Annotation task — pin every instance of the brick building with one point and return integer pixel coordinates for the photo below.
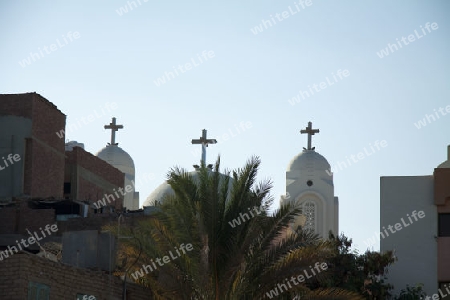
(30, 128)
(28, 123)
(45, 181)
(24, 276)
(89, 178)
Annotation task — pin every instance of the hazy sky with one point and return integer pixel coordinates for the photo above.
(88, 54)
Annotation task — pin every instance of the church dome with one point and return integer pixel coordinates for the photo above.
(158, 194)
(308, 159)
(165, 189)
(118, 158)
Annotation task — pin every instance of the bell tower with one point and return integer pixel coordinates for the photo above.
(309, 183)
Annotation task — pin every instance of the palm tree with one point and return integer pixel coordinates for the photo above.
(239, 250)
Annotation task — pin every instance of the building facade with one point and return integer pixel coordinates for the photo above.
(28, 126)
(88, 178)
(45, 181)
(415, 224)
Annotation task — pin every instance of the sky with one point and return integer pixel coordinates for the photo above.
(363, 72)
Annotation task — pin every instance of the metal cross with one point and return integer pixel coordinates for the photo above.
(114, 127)
(310, 133)
(204, 142)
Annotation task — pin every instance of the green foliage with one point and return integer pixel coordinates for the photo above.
(365, 274)
(227, 262)
(411, 293)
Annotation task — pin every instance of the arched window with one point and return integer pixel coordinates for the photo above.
(309, 210)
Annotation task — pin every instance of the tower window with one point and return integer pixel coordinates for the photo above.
(309, 210)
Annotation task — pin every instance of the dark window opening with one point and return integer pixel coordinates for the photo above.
(444, 225)
(67, 187)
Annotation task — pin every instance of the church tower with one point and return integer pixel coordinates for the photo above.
(120, 159)
(309, 182)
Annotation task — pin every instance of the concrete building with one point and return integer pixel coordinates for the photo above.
(415, 223)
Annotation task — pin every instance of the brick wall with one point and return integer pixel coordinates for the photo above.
(96, 165)
(47, 172)
(27, 169)
(8, 220)
(47, 120)
(95, 180)
(15, 219)
(64, 281)
(16, 105)
(47, 148)
(93, 222)
(44, 155)
(90, 191)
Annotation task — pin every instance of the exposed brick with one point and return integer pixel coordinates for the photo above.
(44, 149)
(86, 190)
(16, 218)
(65, 281)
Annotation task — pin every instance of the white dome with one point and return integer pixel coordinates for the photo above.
(308, 160)
(158, 194)
(118, 158)
(165, 189)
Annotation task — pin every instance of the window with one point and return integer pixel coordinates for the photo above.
(38, 291)
(444, 225)
(309, 210)
(67, 187)
(98, 210)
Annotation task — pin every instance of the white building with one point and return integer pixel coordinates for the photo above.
(415, 224)
(120, 159)
(309, 183)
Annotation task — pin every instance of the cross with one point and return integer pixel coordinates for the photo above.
(204, 142)
(310, 132)
(113, 128)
